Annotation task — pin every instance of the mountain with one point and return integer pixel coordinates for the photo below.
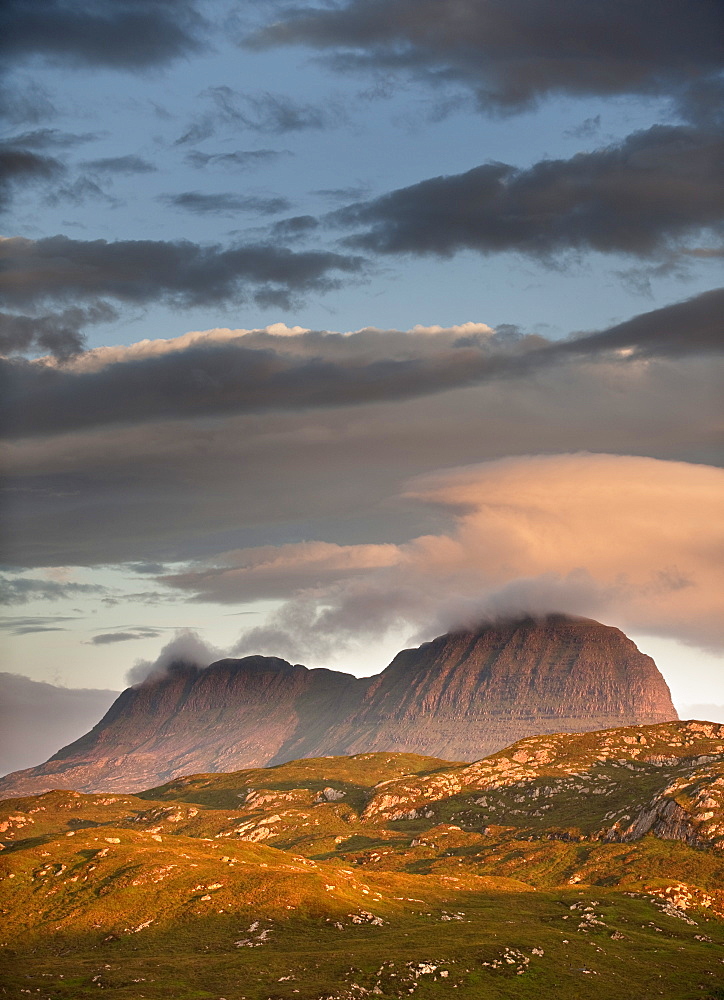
(54, 715)
(461, 696)
(470, 693)
(576, 866)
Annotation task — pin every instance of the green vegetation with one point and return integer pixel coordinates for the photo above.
(284, 883)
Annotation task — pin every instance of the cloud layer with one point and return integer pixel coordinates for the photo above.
(513, 54)
(202, 459)
(234, 372)
(117, 34)
(631, 540)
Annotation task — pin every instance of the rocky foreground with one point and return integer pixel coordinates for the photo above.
(461, 696)
(566, 866)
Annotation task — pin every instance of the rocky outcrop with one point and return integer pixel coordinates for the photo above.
(681, 764)
(460, 697)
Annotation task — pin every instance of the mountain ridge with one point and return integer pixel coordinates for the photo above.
(461, 696)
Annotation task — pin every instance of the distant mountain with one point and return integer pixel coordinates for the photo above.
(54, 715)
(462, 696)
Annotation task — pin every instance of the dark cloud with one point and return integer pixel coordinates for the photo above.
(702, 103)
(108, 638)
(20, 167)
(53, 333)
(115, 34)
(241, 159)
(225, 203)
(49, 138)
(638, 197)
(54, 715)
(512, 54)
(120, 165)
(684, 327)
(257, 373)
(178, 273)
(299, 225)
(343, 194)
(153, 568)
(225, 378)
(21, 590)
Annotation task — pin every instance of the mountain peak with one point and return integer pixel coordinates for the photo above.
(461, 696)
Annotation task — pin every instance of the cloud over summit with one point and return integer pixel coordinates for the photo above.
(620, 538)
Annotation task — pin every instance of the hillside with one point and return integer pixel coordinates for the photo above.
(461, 696)
(555, 868)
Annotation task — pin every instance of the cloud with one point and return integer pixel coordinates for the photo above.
(36, 623)
(276, 571)
(585, 129)
(56, 716)
(187, 648)
(240, 159)
(232, 372)
(49, 138)
(264, 112)
(113, 34)
(297, 226)
(21, 590)
(242, 371)
(108, 638)
(225, 203)
(20, 167)
(177, 490)
(514, 54)
(692, 325)
(179, 274)
(641, 196)
(78, 192)
(278, 114)
(633, 540)
(25, 103)
(120, 165)
(59, 334)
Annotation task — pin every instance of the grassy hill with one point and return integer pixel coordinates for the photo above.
(571, 866)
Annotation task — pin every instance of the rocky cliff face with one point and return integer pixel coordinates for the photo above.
(464, 695)
(471, 693)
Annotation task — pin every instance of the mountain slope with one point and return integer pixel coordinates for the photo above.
(466, 694)
(500, 879)
(461, 696)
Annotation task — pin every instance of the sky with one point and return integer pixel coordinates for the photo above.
(328, 327)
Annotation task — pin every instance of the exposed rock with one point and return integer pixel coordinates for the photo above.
(462, 696)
